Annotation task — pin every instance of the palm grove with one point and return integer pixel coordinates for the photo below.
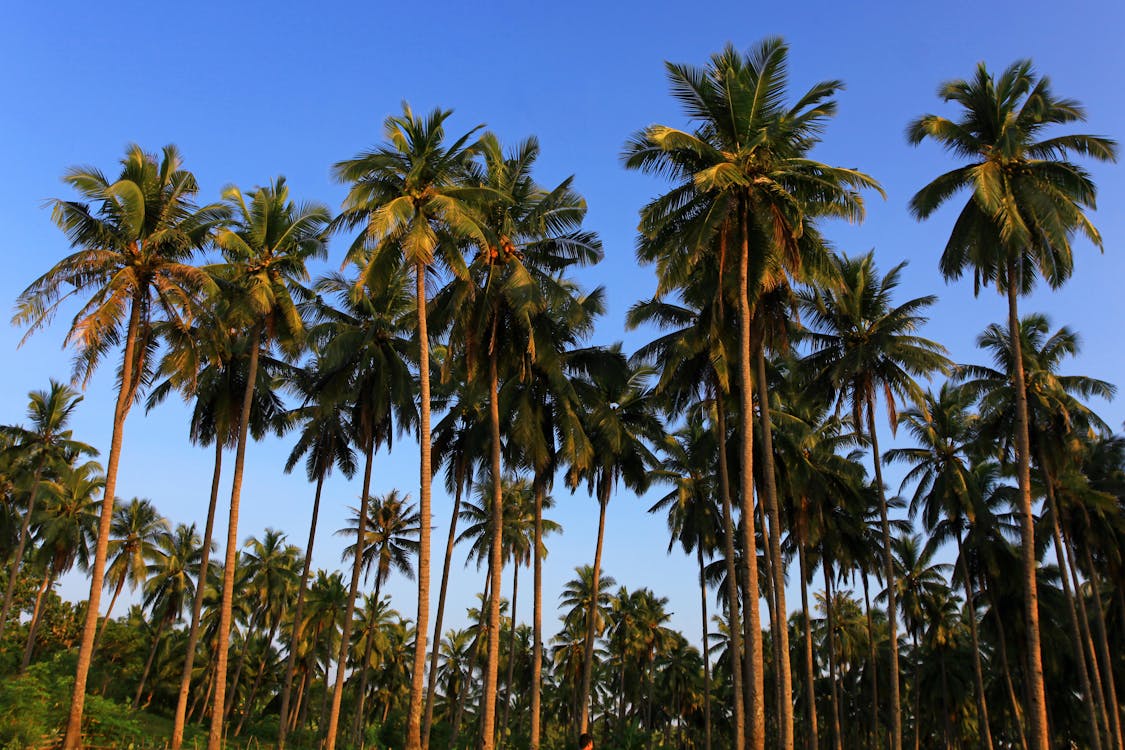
(754, 416)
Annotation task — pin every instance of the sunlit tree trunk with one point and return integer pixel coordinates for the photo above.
(810, 678)
(978, 672)
(591, 611)
(496, 552)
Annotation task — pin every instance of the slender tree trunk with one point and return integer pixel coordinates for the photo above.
(422, 621)
(496, 551)
(781, 638)
(215, 736)
(197, 603)
(889, 573)
(917, 695)
(258, 675)
(353, 590)
(978, 672)
(1103, 646)
(232, 689)
(591, 612)
(810, 678)
(733, 623)
(947, 727)
(1002, 640)
(298, 620)
(706, 656)
(431, 680)
(1093, 702)
(756, 722)
(117, 587)
(511, 647)
(1084, 623)
(17, 558)
(148, 664)
(473, 656)
(873, 660)
(537, 616)
(837, 732)
(291, 722)
(73, 738)
(1036, 690)
(33, 627)
(359, 722)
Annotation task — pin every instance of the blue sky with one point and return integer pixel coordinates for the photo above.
(252, 90)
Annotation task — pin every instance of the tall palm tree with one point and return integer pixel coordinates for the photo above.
(325, 441)
(621, 422)
(864, 344)
(265, 249)
(135, 528)
(406, 193)
(744, 177)
(133, 239)
(1027, 202)
(43, 447)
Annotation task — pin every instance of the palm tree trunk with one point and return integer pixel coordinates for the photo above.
(917, 695)
(496, 550)
(1002, 640)
(511, 647)
(732, 577)
(197, 603)
(1103, 645)
(232, 689)
(17, 558)
(810, 679)
(353, 590)
(258, 676)
(148, 664)
(781, 637)
(1093, 702)
(298, 623)
(537, 616)
(73, 737)
(431, 679)
(1036, 690)
(459, 712)
(33, 627)
(756, 722)
(359, 722)
(215, 736)
(872, 659)
(421, 623)
(117, 587)
(978, 673)
(591, 612)
(1084, 622)
(706, 656)
(889, 573)
(837, 732)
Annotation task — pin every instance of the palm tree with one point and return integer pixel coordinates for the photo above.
(266, 249)
(135, 528)
(406, 193)
(325, 441)
(1027, 202)
(44, 447)
(132, 251)
(65, 532)
(864, 344)
(743, 176)
(620, 420)
(171, 583)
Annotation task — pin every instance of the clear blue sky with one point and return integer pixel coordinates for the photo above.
(252, 90)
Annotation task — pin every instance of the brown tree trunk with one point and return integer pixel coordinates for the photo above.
(511, 647)
(537, 616)
(1038, 699)
(781, 637)
(756, 722)
(431, 679)
(17, 557)
(117, 587)
(73, 737)
(215, 736)
(422, 621)
(873, 660)
(1002, 640)
(298, 621)
(837, 732)
(258, 675)
(1084, 623)
(978, 673)
(810, 679)
(33, 627)
(591, 612)
(496, 551)
(148, 664)
(353, 591)
(889, 573)
(1103, 647)
(197, 603)
(706, 656)
(733, 622)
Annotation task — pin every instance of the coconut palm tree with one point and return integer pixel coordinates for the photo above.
(265, 248)
(43, 448)
(746, 188)
(406, 194)
(133, 240)
(135, 528)
(864, 344)
(65, 532)
(1027, 202)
